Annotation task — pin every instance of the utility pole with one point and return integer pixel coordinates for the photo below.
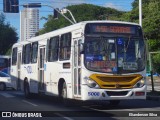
(140, 13)
(151, 70)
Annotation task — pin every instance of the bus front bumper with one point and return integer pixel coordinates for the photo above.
(113, 94)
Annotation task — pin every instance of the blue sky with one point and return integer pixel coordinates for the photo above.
(14, 18)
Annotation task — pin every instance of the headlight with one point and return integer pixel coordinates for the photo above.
(140, 83)
(91, 83)
(9, 80)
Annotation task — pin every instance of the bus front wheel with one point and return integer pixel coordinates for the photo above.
(66, 101)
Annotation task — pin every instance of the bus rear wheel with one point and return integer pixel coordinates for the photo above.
(2, 86)
(66, 101)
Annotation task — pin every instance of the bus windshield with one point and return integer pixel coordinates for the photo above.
(114, 54)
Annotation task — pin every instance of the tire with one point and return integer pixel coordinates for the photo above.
(2, 86)
(114, 102)
(27, 93)
(65, 101)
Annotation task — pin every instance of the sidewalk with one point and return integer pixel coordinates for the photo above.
(155, 96)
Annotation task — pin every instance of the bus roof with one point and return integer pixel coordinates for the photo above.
(67, 29)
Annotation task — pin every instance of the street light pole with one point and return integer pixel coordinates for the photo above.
(140, 13)
(63, 14)
(39, 5)
(64, 10)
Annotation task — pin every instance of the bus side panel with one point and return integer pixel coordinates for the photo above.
(29, 72)
(51, 78)
(54, 71)
(14, 79)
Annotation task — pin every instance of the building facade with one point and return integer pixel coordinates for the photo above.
(29, 23)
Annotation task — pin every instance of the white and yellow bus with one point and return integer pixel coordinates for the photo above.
(90, 60)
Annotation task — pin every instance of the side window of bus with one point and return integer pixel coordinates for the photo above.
(34, 52)
(14, 56)
(26, 53)
(53, 46)
(65, 46)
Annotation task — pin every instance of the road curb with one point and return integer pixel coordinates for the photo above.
(155, 98)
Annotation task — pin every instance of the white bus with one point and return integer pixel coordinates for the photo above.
(90, 60)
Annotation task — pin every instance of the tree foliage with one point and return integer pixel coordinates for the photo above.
(150, 22)
(8, 36)
(81, 12)
(151, 25)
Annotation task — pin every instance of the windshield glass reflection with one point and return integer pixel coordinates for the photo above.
(114, 54)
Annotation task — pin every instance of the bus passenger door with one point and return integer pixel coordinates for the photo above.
(19, 82)
(41, 69)
(77, 69)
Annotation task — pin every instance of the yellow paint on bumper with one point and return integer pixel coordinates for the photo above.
(116, 81)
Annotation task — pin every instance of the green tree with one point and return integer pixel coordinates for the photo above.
(81, 12)
(150, 16)
(150, 24)
(8, 36)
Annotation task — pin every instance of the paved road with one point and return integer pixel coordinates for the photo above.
(14, 101)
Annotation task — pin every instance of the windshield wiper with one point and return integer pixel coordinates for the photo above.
(126, 47)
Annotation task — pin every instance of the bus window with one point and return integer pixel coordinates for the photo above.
(65, 46)
(4, 63)
(14, 56)
(34, 52)
(27, 54)
(53, 46)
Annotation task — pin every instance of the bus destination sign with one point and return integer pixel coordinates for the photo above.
(110, 28)
(113, 29)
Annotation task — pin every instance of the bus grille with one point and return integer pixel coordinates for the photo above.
(116, 81)
(116, 93)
